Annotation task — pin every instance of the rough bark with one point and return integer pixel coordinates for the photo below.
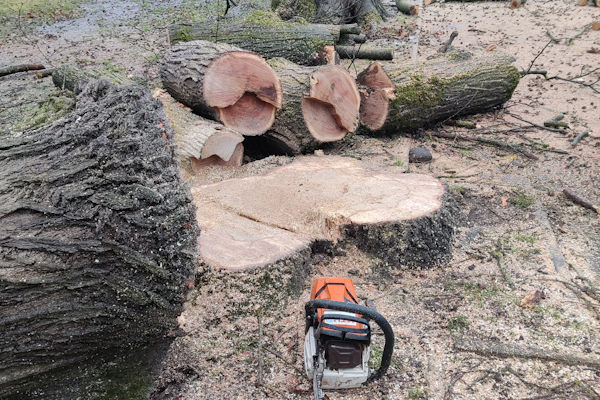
(345, 11)
(369, 53)
(406, 219)
(223, 83)
(199, 140)
(349, 39)
(97, 236)
(445, 87)
(299, 43)
(66, 77)
(308, 118)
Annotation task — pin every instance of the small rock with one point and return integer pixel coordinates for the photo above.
(319, 153)
(419, 155)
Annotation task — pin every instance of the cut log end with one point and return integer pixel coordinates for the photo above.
(374, 107)
(320, 120)
(377, 89)
(249, 115)
(245, 91)
(332, 108)
(234, 160)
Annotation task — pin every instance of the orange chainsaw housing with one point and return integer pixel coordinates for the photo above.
(336, 289)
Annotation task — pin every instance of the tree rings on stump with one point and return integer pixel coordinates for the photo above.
(406, 219)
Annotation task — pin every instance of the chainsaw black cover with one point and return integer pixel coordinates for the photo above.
(367, 314)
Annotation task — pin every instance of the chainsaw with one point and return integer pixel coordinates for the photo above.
(338, 337)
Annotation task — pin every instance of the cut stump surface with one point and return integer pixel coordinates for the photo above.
(256, 221)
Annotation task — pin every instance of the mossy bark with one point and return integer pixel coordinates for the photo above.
(97, 238)
(299, 43)
(445, 87)
(364, 12)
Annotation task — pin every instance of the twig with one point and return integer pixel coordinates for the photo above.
(260, 348)
(534, 124)
(579, 137)
(282, 358)
(581, 201)
(499, 255)
(490, 142)
(504, 350)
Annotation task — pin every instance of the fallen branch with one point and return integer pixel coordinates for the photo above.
(504, 350)
(579, 137)
(13, 69)
(581, 201)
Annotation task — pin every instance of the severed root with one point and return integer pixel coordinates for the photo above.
(224, 83)
(201, 141)
(503, 350)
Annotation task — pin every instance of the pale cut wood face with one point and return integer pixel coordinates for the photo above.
(255, 221)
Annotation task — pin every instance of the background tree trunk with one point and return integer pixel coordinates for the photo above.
(97, 238)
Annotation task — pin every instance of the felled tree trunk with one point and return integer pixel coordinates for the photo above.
(223, 83)
(97, 236)
(320, 104)
(403, 97)
(297, 42)
(199, 140)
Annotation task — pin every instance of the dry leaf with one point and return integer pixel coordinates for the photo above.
(594, 50)
(533, 298)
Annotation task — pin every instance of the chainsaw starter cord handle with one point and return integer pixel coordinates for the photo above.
(367, 313)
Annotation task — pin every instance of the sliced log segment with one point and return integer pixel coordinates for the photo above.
(376, 91)
(407, 219)
(224, 83)
(448, 86)
(199, 140)
(97, 236)
(321, 104)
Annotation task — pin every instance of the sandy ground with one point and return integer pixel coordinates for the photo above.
(513, 205)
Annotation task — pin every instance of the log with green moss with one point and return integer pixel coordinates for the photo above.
(97, 241)
(421, 94)
(266, 34)
(365, 52)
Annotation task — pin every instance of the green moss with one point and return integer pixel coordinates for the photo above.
(54, 107)
(458, 323)
(184, 35)
(419, 92)
(265, 18)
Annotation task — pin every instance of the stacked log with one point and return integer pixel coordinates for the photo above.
(223, 83)
(403, 97)
(199, 140)
(318, 104)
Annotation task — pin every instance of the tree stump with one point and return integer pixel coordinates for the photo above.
(408, 96)
(97, 236)
(406, 219)
(223, 83)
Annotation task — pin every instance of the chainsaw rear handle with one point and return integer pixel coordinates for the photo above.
(369, 314)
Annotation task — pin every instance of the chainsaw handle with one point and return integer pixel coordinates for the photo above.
(367, 313)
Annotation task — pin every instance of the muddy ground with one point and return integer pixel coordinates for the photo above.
(514, 207)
